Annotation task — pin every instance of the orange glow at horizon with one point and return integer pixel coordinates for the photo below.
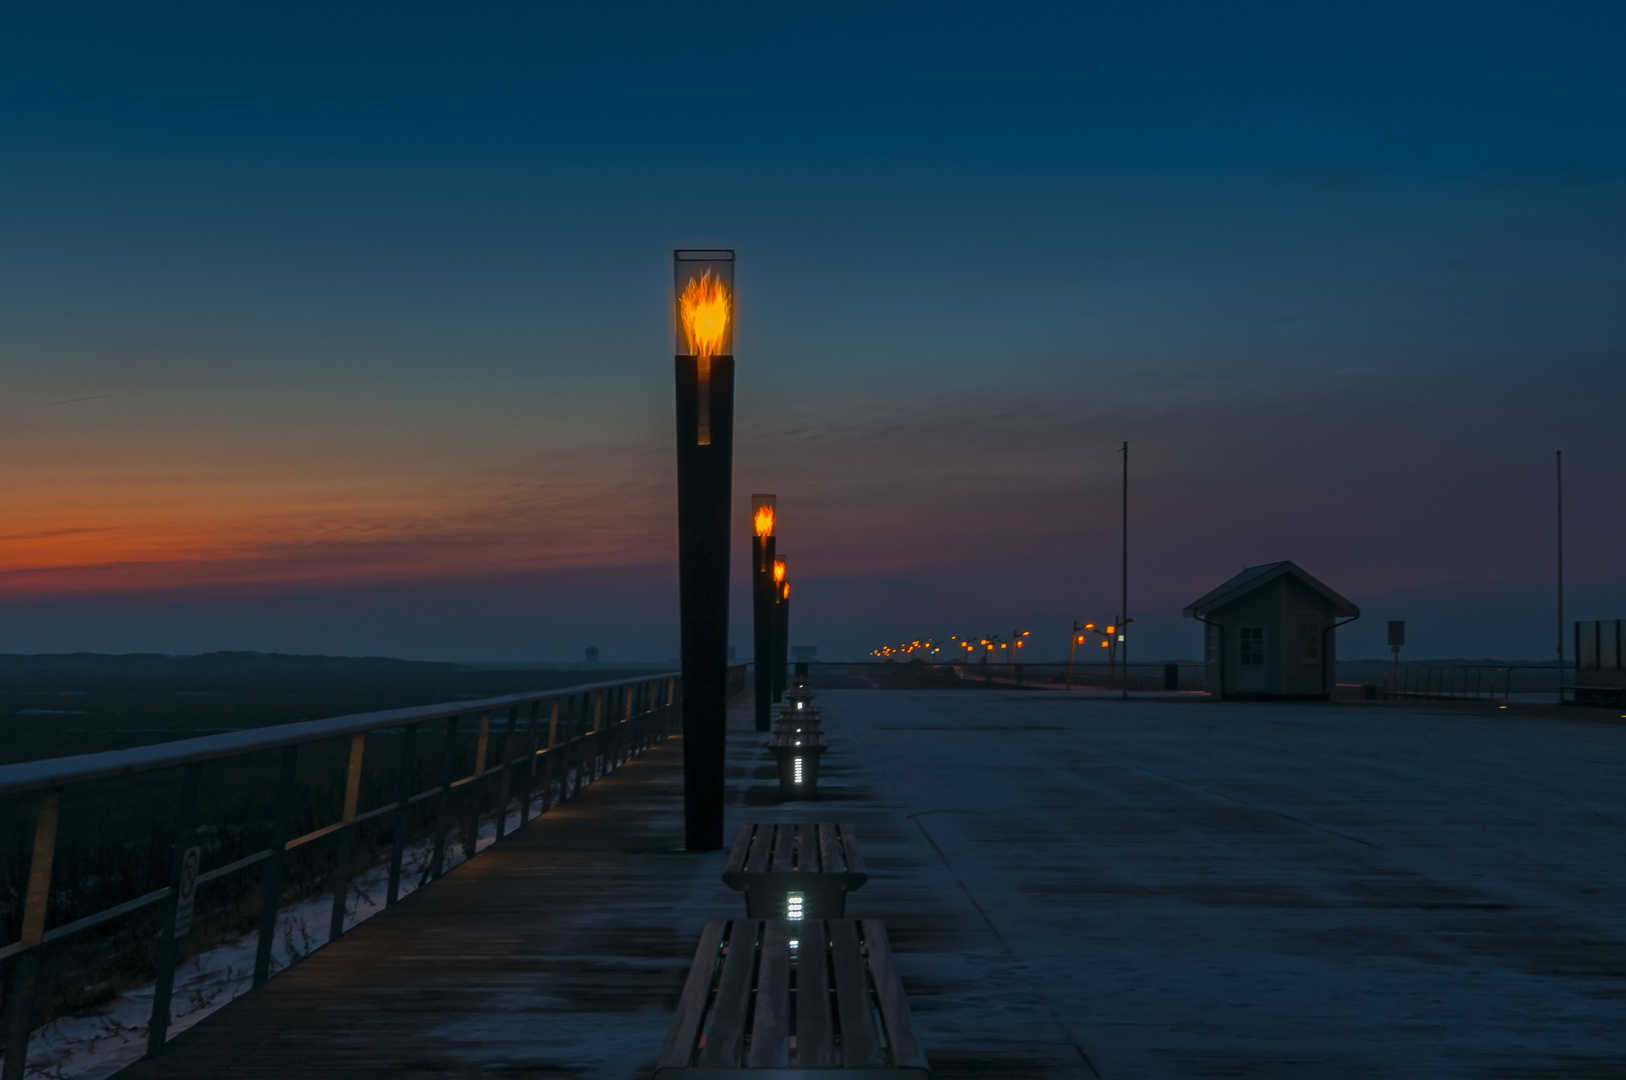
(704, 310)
(763, 521)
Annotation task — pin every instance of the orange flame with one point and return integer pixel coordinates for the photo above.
(779, 569)
(704, 309)
(763, 520)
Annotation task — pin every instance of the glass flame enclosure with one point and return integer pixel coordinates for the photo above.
(703, 287)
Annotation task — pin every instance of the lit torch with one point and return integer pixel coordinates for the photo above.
(703, 363)
(781, 628)
(762, 604)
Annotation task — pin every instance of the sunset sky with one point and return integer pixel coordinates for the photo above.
(347, 329)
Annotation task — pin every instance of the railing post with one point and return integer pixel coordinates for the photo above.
(597, 749)
(347, 837)
(433, 871)
(271, 880)
(186, 812)
(25, 972)
(409, 758)
(530, 764)
(576, 755)
(477, 786)
(503, 784)
(550, 764)
(624, 741)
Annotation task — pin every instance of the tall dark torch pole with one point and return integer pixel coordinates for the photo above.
(762, 604)
(781, 627)
(705, 456)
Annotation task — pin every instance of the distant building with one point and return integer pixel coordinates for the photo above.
(1269, 633)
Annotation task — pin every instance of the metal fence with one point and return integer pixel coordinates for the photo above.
(122, 842)
(1431, 682)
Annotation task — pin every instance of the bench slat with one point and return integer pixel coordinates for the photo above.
(860, 1042)
(726, 1031)
(849, 848)
(900, 1035)
(742, 848)
(692, 1005)
(770, 1026)
(761, 849)
(829, 849)
(784, 848)
(813, 1047)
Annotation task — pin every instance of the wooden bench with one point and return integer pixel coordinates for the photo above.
(827, 996)
(815, 866)
(797, 754)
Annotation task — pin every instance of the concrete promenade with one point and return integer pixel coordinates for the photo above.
(1075, 887)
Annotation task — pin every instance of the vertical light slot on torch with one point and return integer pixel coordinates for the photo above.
(796, 766)
(793, 906)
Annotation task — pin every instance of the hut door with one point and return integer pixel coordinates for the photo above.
(1250, 660)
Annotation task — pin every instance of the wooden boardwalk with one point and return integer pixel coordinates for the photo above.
(556, 953)
(1074, 888)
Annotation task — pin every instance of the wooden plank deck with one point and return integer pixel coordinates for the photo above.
(558, 953)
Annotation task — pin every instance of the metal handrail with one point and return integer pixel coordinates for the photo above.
(60, 772)
(647, 707)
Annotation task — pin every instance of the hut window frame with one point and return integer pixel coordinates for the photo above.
(1251, 646)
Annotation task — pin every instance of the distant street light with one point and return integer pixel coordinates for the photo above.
(1016, 643)
(704, 364)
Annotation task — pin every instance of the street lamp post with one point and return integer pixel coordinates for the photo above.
(1016, 643)
(762, 604)
(1078, 639)
(704, 365)
(781, 627)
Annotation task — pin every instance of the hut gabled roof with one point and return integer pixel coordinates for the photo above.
(1255, 577)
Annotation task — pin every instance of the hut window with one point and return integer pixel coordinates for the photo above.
(1309, 639)
(1253, 645)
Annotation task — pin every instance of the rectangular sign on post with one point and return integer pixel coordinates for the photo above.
(188, 890)
(1397, 633)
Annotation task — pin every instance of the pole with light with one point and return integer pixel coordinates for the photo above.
(762, 597)
(1016, 643)
(704, 366)
(781, 627)
(1078, 639)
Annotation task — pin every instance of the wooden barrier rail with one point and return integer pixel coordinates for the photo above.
(547, 746)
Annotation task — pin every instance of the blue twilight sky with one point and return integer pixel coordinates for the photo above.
(344, 328)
